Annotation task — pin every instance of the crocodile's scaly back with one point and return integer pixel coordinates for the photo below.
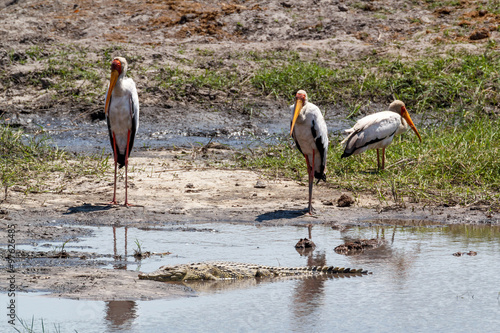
(230, 270)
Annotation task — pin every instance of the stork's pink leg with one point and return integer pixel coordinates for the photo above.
(311, 181)
(113, 202)
(126, 170)
(378, 160)
(307, 162)
(383, 158)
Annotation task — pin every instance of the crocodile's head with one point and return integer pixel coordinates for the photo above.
(195, 271)
(167, 273)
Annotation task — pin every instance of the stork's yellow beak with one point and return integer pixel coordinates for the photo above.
(298, 106)
(406, 116)
(112, 82)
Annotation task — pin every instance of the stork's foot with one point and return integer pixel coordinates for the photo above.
(114, 202)
(309, 211)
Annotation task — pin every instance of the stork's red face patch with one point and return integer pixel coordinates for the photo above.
(301, 97)
(116, 65)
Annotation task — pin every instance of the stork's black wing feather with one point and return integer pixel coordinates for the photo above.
(322, 150)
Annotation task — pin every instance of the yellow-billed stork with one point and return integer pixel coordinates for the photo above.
(308, 129)
(122, 115)
(377, 131)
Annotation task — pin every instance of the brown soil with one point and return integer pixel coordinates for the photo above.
(165, 188)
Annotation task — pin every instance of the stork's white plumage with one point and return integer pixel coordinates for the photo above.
(308, 129)
(377, 131)
(122, 114)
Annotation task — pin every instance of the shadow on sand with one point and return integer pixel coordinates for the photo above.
(281, 214)
(86, 208)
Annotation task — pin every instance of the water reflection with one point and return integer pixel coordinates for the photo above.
(308, 293)
(416, 284)
(120, 314)
(401, 258)
(466, 233)
(120, 261)
(210, 287)
(471, 234)
(399, 261)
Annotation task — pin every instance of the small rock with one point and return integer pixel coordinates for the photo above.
(260, 184)
(338, 227)
(177, 211)
(189, 185)
(47, 82)
(345, 201)
(358, 246)
(443, 11)
(342, 8)
(304, 243)
(479, 34)
(183, 19)
(482, 12)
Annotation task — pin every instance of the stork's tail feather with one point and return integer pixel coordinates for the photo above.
(346, 154)
(121, 160)
(320, 176)
(345, 143)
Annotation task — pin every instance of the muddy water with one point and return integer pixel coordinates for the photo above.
(92, 137)
(75, 134)
(417, 284)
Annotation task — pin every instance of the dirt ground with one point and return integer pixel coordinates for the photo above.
(165, 191)
(176, 185)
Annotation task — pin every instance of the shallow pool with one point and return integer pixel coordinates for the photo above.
(417, 283)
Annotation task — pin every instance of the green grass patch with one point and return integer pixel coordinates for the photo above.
(181, 83)
(34, 327)
(439, 4)
(28, 162)
(458, 81)
(70, 73)
(454, 165)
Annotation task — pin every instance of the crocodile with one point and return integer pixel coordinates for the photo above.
(221, 270)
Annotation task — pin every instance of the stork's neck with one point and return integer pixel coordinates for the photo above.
(403, 126)
(119, 89)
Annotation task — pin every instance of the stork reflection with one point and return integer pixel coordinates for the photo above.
(120, 315)
(309, 291)
(120, 261)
